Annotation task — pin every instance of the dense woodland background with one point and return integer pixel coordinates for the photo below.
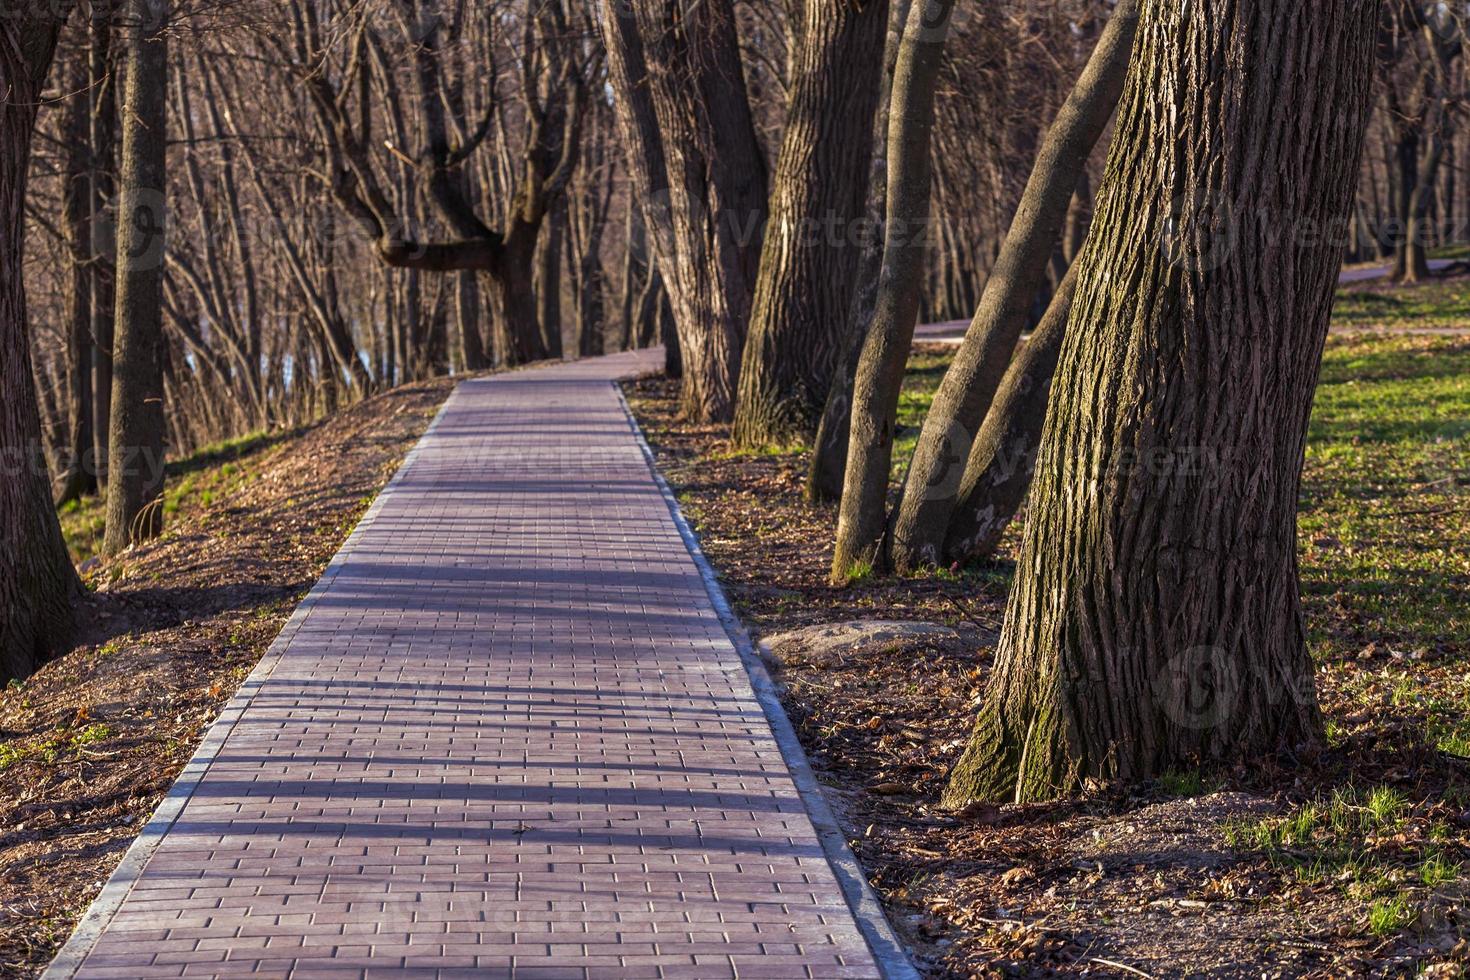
(277, 308)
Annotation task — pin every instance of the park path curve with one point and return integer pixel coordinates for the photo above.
(508, 734)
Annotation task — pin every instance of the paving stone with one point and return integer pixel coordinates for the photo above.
(509, 738)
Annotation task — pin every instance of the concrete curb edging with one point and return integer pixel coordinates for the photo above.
(878, 932)
(99, 914)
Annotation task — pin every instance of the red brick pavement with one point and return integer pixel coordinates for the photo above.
(508, 736)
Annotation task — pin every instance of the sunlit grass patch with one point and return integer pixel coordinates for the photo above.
(193, 483)
(1360, 842)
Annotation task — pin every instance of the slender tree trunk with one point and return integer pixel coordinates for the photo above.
(80, 477)
(1420, 228)
(135, 481)
(104, 269)
(1406, 159)
(906, 246)
(548, 279)
(1004, 457)
(965, 394)
(37, 581)
(1156, 617)
(829, 446)
(810, 260)
(471, 346)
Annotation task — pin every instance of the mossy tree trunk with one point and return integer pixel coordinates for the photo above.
(37, 582)
(1155, 619)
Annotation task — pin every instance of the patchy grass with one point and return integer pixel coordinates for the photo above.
(1437, 304)
(1349, 864)
(926, 369)
(192, 486)
(1370, 846)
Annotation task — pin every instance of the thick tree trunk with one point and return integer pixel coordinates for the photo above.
(80, 476)
(37, 582)
(517, 310)
(1155, 619)
(1003, 459)
(679, 86)
(906, 245)
(965, 394)
(135, 479)
(811, 256)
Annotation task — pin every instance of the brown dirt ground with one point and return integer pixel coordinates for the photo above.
(1126, 884)
(91, 742)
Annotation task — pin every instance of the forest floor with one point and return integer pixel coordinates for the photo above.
(1358, 864)
(91, 742)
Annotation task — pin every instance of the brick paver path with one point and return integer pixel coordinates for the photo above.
(507, 737)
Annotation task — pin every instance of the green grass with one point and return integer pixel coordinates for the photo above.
(1461, 251)
(1385, 516)
(925, 371)
(1432, 304)
(1347, 841)
(1182, 783)
(1388, 915)
(192, 483)
(64, 744)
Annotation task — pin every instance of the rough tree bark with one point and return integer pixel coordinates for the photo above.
(1155, 619)
(1003, 459)
(965, 394)
(810, 260)
(696, 164)
(135, 479)
(906, 245)
(37, 581)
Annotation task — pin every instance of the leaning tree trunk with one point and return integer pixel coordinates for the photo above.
(1003, 459)
(810, 260)
(885, 351)
(37, 582)
(828, 466)
(136, 453)
(1010, 293)
(1155, 619)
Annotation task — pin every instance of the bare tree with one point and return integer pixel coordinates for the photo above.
(885, 351)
